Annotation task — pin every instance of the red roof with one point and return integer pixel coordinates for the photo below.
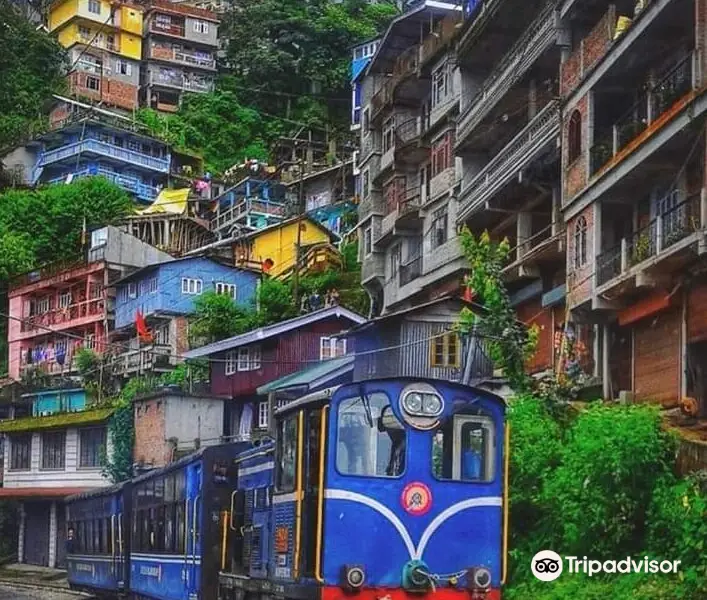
(35, 492)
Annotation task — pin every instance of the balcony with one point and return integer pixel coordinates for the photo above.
(442, 37)
(535, 41)
(154, 358)
(99, 42)
(514, 157)
(167, 28)
(405, 66)
(669, 95)
(664, 236)
(73, 315)
(105, 149)
(130, 184)
(410, 271)
(193, 59)
(372, 267)
(47, 367)
(181, 81)
(248, 206)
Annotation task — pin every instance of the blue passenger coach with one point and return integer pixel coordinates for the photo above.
(97, 549)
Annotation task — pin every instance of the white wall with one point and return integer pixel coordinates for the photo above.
(189, 418)
(71, 476)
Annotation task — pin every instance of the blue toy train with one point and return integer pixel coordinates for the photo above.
(379, 489)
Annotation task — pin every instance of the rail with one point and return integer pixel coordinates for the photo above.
(245, 207)
(104, 149)
(143, 359)
(193, 59)
(93, 307)
(127, 182)
(168, 28)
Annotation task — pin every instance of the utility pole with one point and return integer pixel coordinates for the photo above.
(298, 245)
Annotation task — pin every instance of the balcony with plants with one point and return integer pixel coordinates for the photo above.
(133, 185)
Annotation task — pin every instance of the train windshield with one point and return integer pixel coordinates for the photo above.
(370, 439)
(463, 449)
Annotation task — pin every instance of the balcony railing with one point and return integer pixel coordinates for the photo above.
(410, 271)
(168, 28)
(534, 41)
(130, 184)
(106, 149)
(49, 366)
(150, 358)
(94, 307)
(408, 131)
(661, 233)
(521, 150)
(181, 81)
(369, 144)
(443, 34)
(247, 206)
(405, 66)
(659, 98)
(194, 59)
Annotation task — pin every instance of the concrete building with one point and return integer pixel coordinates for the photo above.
(179, 51)
(104, 42)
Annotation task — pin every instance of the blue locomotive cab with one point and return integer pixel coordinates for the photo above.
(98, 540)
(394, 484)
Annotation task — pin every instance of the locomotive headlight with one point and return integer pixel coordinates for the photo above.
(354, 576)
(422, 404)
(479, 578)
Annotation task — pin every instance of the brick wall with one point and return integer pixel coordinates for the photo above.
(532, 313)
(588, 53)
(161, 51)
(150, 444)
(580, 281)
(181, 331)
(114, 92)
(575, 175)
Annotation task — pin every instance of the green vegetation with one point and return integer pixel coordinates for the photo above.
(31, 65)
(602, 486)
(56, 420)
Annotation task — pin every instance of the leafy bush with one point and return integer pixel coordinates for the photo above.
(217, 316)
(601, 491)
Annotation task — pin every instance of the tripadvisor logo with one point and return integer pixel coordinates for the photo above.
(548, 565)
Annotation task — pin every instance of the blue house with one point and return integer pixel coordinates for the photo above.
(361, 55)
(138, 163)
(165, 294)
(58, 400)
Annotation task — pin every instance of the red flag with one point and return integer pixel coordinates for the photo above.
(142, 331)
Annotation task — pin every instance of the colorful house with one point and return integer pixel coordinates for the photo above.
(274, 248)
(104, 41)
(164, 295)
(240, 365)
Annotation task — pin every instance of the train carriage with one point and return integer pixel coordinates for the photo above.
(380, 487)
(98, 540)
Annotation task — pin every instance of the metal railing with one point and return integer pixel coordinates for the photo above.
(608, 265)
(168, 28)
(104, 149)
(65, 315)
(246, 206)
(181, 81)
(144, 359)
(659, 98)
(129, 183)
(193, 59)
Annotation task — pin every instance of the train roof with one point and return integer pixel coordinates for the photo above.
(327, 393)
(96, 493)
(261, 449)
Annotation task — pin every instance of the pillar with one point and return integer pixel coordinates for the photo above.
(21, 536)
(594, 228)
(52, 535)
(532, 99)
(556, 210)
(524, 231)
(605, 363)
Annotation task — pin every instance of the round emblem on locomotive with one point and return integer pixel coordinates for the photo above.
(416, 498)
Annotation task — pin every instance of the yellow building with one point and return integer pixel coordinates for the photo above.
(105, 48)
(274, 248)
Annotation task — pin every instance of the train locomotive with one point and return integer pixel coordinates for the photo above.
(383, 490)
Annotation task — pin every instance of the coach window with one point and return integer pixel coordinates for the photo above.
(463, 448)
(286, 454)
(371, 441)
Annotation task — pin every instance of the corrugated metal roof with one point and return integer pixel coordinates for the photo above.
(40, 492)
(317, 374)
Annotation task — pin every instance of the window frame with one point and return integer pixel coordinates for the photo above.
(366, 183)
(332, 343)
(249, 358)
(132, 290)
(91, 430)
(440, 216)
(192, 286)
(94, 3)
(579, 251)
(59, 449)
(574, 136)
(444, 339)
(263, 414)
(93, 78)
(226, 289)
(440, 85)
(231, 364)
(368, 240)
(389, 134)
(24, 437)
(282, 423)
(441, 156)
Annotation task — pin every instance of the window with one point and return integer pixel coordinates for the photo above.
(439, 227)
(445, 351)
(53, 449)
(191, 286)
(21, 452)
(366, 121)
(132, 290)
(161, 335)
(331, 347)
(231, 362)
(93, 83)
(201, 27)
(263, 413)
(152, 285)
(90, 341)
(440, 85)
(84, 33)
(99, 237)
(249, 358)
(227, 289)
(123, 67)
(463, 449)
(442, 154)
(43, 305)
(388, 134)
(580, 243)
(94, 6)
(574, 137)
(370, 440)
(64, 299)
(366, 185)
(286, 466)
(395, 257)
(367, 241)
(92, 444)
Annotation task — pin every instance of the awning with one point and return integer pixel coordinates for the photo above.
(38, 492)
(173, 202)
(644, 308)
(312, 377)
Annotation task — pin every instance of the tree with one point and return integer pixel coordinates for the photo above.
(32, 67)
(217, 316)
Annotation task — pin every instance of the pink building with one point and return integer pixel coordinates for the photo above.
(66, 306)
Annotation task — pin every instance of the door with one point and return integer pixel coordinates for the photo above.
(36, 548)
(313, 481)
(193, 523)
(60, 536)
